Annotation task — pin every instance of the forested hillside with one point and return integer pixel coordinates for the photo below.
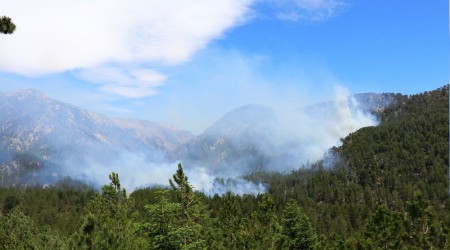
(385, 187)
(400, 165)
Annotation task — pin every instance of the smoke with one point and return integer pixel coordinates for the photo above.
(249, 139)
(137, 170)
(309, 133)
(210, 183)
(257, 138)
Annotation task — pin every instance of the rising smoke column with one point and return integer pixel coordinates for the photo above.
(288, 140)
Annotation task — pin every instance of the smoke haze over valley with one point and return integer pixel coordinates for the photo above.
(64, 140)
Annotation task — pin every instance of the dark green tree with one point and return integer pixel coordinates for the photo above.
(6, 25)
(422, 227)
(109, 221)
(10, 202)
(192, 217)
(384, 229)
(18, 231)
(160, 228)
(229, 223)
(267, 228)
(298, 233)
(183, 190)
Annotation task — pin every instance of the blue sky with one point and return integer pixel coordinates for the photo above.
(188, 64)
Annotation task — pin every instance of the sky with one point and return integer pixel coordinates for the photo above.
(187, 63)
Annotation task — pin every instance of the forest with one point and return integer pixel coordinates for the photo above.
(385, 187)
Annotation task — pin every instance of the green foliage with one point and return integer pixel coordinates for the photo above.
(267, 228)
(183, 190)
(384, 229)
(230, 222)
(6, 25)
(191, 216)
(59, 207)
(10, 202)
(17, 231)
(298, 233)
(109, 221)
(160, 228)
(179, 224)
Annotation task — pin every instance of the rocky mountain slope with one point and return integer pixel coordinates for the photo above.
(33, 124)
(42, 139)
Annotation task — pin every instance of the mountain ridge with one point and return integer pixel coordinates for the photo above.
(260, 138)
(249, 138)
(31, 123)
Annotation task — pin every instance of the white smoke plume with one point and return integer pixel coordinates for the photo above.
(287, 141)
(246, 140)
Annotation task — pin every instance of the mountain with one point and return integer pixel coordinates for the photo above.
(42, 139)
(409, 150)
(401, 165)
(240, 138)
(31, 123)
(259, 138)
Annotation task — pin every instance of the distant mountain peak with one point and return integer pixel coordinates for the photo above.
(31, 120)
(28, 92)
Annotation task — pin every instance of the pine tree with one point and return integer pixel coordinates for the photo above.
(6, 25)
(183, 190)
(109, 221)
(384, 229)
(298, 233)
(268, 227)
(162, 222)
(229, 223)
(192, 215)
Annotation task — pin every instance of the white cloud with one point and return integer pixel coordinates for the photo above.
(307, 10)
(131, 83)
(88, 36)
(54, 36)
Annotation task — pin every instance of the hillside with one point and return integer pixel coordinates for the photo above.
(256, 138)
(401, 163)
(385, 187)
(408, 151)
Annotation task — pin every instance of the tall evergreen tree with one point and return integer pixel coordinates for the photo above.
(229, 223)
(162, 223)
(183, 190)
(298, 233)
(109, 221)
(268, 228)
(192, 215)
